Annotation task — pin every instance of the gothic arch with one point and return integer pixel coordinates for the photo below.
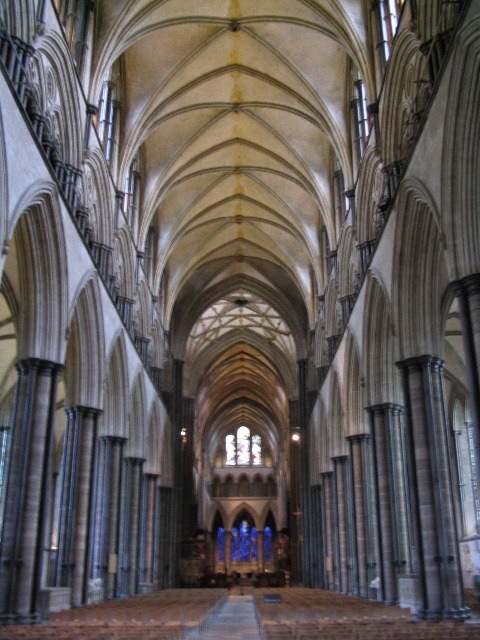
(243, 507)
(38, 246)
(421, 277)
(137, 419)
(156, 425)
(270, 351)
(142, 311)
(123, 263)
(370, 191)
(277, 299)
(85, 360)
(335, 421)
(398, 94)
(378, 345)
(60, 91)
(98, 196)
(116, 390)
(347, 261)
(353, 388)
(460, 188)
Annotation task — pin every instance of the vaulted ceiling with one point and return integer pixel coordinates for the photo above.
(239, 110)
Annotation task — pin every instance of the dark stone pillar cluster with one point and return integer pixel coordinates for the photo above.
(105, 539)
(317, 545)
(166, 532)
(359, 512)
(128, 578)
(428, 442)
(75, 521)
(340, 524)
(147, 524)
(329, 578)
(26, 510)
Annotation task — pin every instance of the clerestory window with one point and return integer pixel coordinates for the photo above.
(360, 126)
(130, 205)
(107, 119)
(243, 448)
(387, 13)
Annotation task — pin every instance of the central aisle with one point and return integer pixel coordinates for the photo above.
(235, 620)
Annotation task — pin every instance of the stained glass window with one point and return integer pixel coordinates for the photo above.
(243, 448)
(267, 544)
(230, 450)
(256, 450)
(235, 545)
(221, 544)
(243, 445)
(244, 541)
(254, 544)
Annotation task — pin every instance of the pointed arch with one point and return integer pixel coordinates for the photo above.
(368, 197)
(243, 508)
(53, 50)
(138, 419)
(461, 154)
(37, 261)
(85, 359)
(398, 95)
(353, 388)
(156, 428)
(421, 276)
(336, 423)
(123, 263)
(116, 407)
(378, 344)
(98, 197)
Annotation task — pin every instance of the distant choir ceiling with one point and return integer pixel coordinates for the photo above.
(238, 107)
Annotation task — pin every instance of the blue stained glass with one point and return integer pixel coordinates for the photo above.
(244, 541)
(254, 544)
(221, 544)
(235, 545)
(267, 544)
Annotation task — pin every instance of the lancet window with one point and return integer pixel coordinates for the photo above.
(243, 448)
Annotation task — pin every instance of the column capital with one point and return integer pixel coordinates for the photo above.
(339, 459)
(134, 460)
(421, 362)
(92, 109)
(358, 437)
(113, 439)
(385, 407)
(151, 476)
(469, 286)
(43, 367)
(87, 412)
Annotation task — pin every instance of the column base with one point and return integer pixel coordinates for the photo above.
(8, 619)
(463, 613)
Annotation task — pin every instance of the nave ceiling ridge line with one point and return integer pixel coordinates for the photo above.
(234, 67)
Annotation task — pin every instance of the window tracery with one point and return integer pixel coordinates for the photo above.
(243, 448)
